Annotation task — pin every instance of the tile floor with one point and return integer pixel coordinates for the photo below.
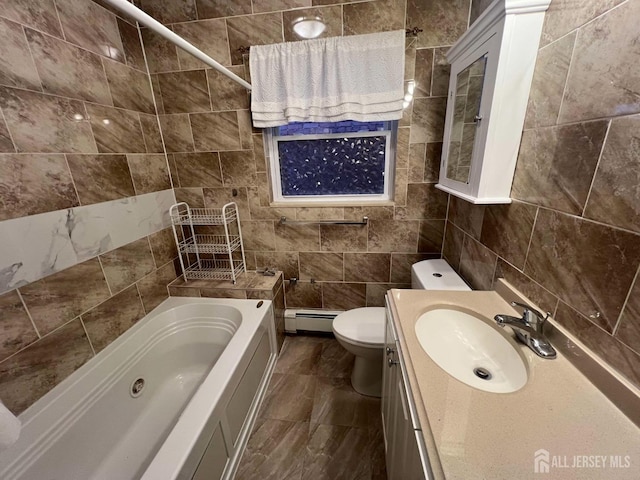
(313, 425)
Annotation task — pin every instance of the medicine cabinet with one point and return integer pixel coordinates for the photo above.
(492, 67)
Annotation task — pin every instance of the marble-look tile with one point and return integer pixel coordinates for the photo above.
(215, 131)
(246, 129)
(217, 197)
(400, 187)
(222, 8)
(335, 361)
(393, 235)
(16, 64)
(100, 178)
(441, 71)
(303, 295)
(466, 216)
(331, 17)
(43, 123)
(276, 449)
(100, 35)
(176, 132)
(185, 92)
(417, 153)
(129, 87)
(611, 350)
(320, 213)
(295, 238)
(615, 197)
(128, 264)
(253, 30)
(170, 11)
(149, 173)
(262, 6)
(299, 357)
(6, 143)
(238, 168)
(507, 229)
(67, 70)
(556, 165)
(28, 375)
(40, 14)
(431, 236)
(373, 17)
(477, 264)
(540, 296)
(563, 16)
(343, 238)
(376, 292)
(373, 213)
(628, 330)
(116, 130)
(210, 36)
(424, 201)
(428, 120)
(424, 71)
(199, 169)
(337, 403)
(401, 266)
(151, 132)
(606, 67)
(547, 87)
(193, 196)
(153, 287)
(477, 8)
(289, 397)
(321, 266)
(367, 267)
(222, 293)
(589, 266)
(343, 296)
(112, 318)
(162, 55)
(286, 262)
(410, 58)
(193, 293)
(402, 148)
(258, 235)
(432, 158)
(56, 299)
(163, 246)
(452, 247)
(337, 452)
(34, 183)
(225, 93)
(443, 21)
(132, 45)
(17, 330)
(157, 95)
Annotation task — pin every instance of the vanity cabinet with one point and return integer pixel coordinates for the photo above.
(404, 446)
(492, 67)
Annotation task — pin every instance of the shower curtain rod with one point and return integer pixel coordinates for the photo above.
(153, 24)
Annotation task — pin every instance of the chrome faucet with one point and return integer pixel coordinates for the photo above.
(529, 329)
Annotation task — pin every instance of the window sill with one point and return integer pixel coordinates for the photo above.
(329, 204)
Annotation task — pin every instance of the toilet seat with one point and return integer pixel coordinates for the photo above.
(361, 326)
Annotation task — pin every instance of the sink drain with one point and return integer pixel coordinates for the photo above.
(136, 387)
(482, 373)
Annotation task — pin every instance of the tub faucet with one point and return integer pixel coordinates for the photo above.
(529, 329)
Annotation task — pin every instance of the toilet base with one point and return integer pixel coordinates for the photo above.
(366, 377)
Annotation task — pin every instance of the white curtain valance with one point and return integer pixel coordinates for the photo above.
(356, 77)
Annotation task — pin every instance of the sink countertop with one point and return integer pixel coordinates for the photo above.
(473, 434)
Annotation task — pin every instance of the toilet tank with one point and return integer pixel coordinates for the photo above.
(436, 275)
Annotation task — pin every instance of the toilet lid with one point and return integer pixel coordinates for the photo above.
(361, 325)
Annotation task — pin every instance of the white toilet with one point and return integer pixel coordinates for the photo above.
(361, 330)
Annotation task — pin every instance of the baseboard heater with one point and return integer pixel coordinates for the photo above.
(296, 321)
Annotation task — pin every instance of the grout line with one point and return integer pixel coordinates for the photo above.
(626, 301)
(533, 229)
(105, 277)
(106, 79)
(13, 143)
(566, 80)
(595, 172)
(33, 60)
(56, 9)
(73, 182)
(140, 297)
(28, 313)
(87, 334)
(155, 264)
(446, 222)
(133, 182)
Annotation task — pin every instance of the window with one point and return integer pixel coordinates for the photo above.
(340, 162)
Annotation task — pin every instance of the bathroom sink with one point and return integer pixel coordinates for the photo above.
(471, 350)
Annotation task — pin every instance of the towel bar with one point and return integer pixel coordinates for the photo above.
(364, 221)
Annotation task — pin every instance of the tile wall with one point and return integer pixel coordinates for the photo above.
(214, 152)
(84, 191)
(571, 238)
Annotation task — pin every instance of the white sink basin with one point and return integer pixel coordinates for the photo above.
(467, 349)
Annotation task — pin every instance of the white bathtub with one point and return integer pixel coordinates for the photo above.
(205, 364)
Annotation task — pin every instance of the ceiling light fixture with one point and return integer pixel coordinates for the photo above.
(309, 27)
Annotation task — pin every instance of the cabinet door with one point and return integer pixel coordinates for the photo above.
(388, 379)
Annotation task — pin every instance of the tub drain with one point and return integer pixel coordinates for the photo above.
(136, 387)
(482, 373)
